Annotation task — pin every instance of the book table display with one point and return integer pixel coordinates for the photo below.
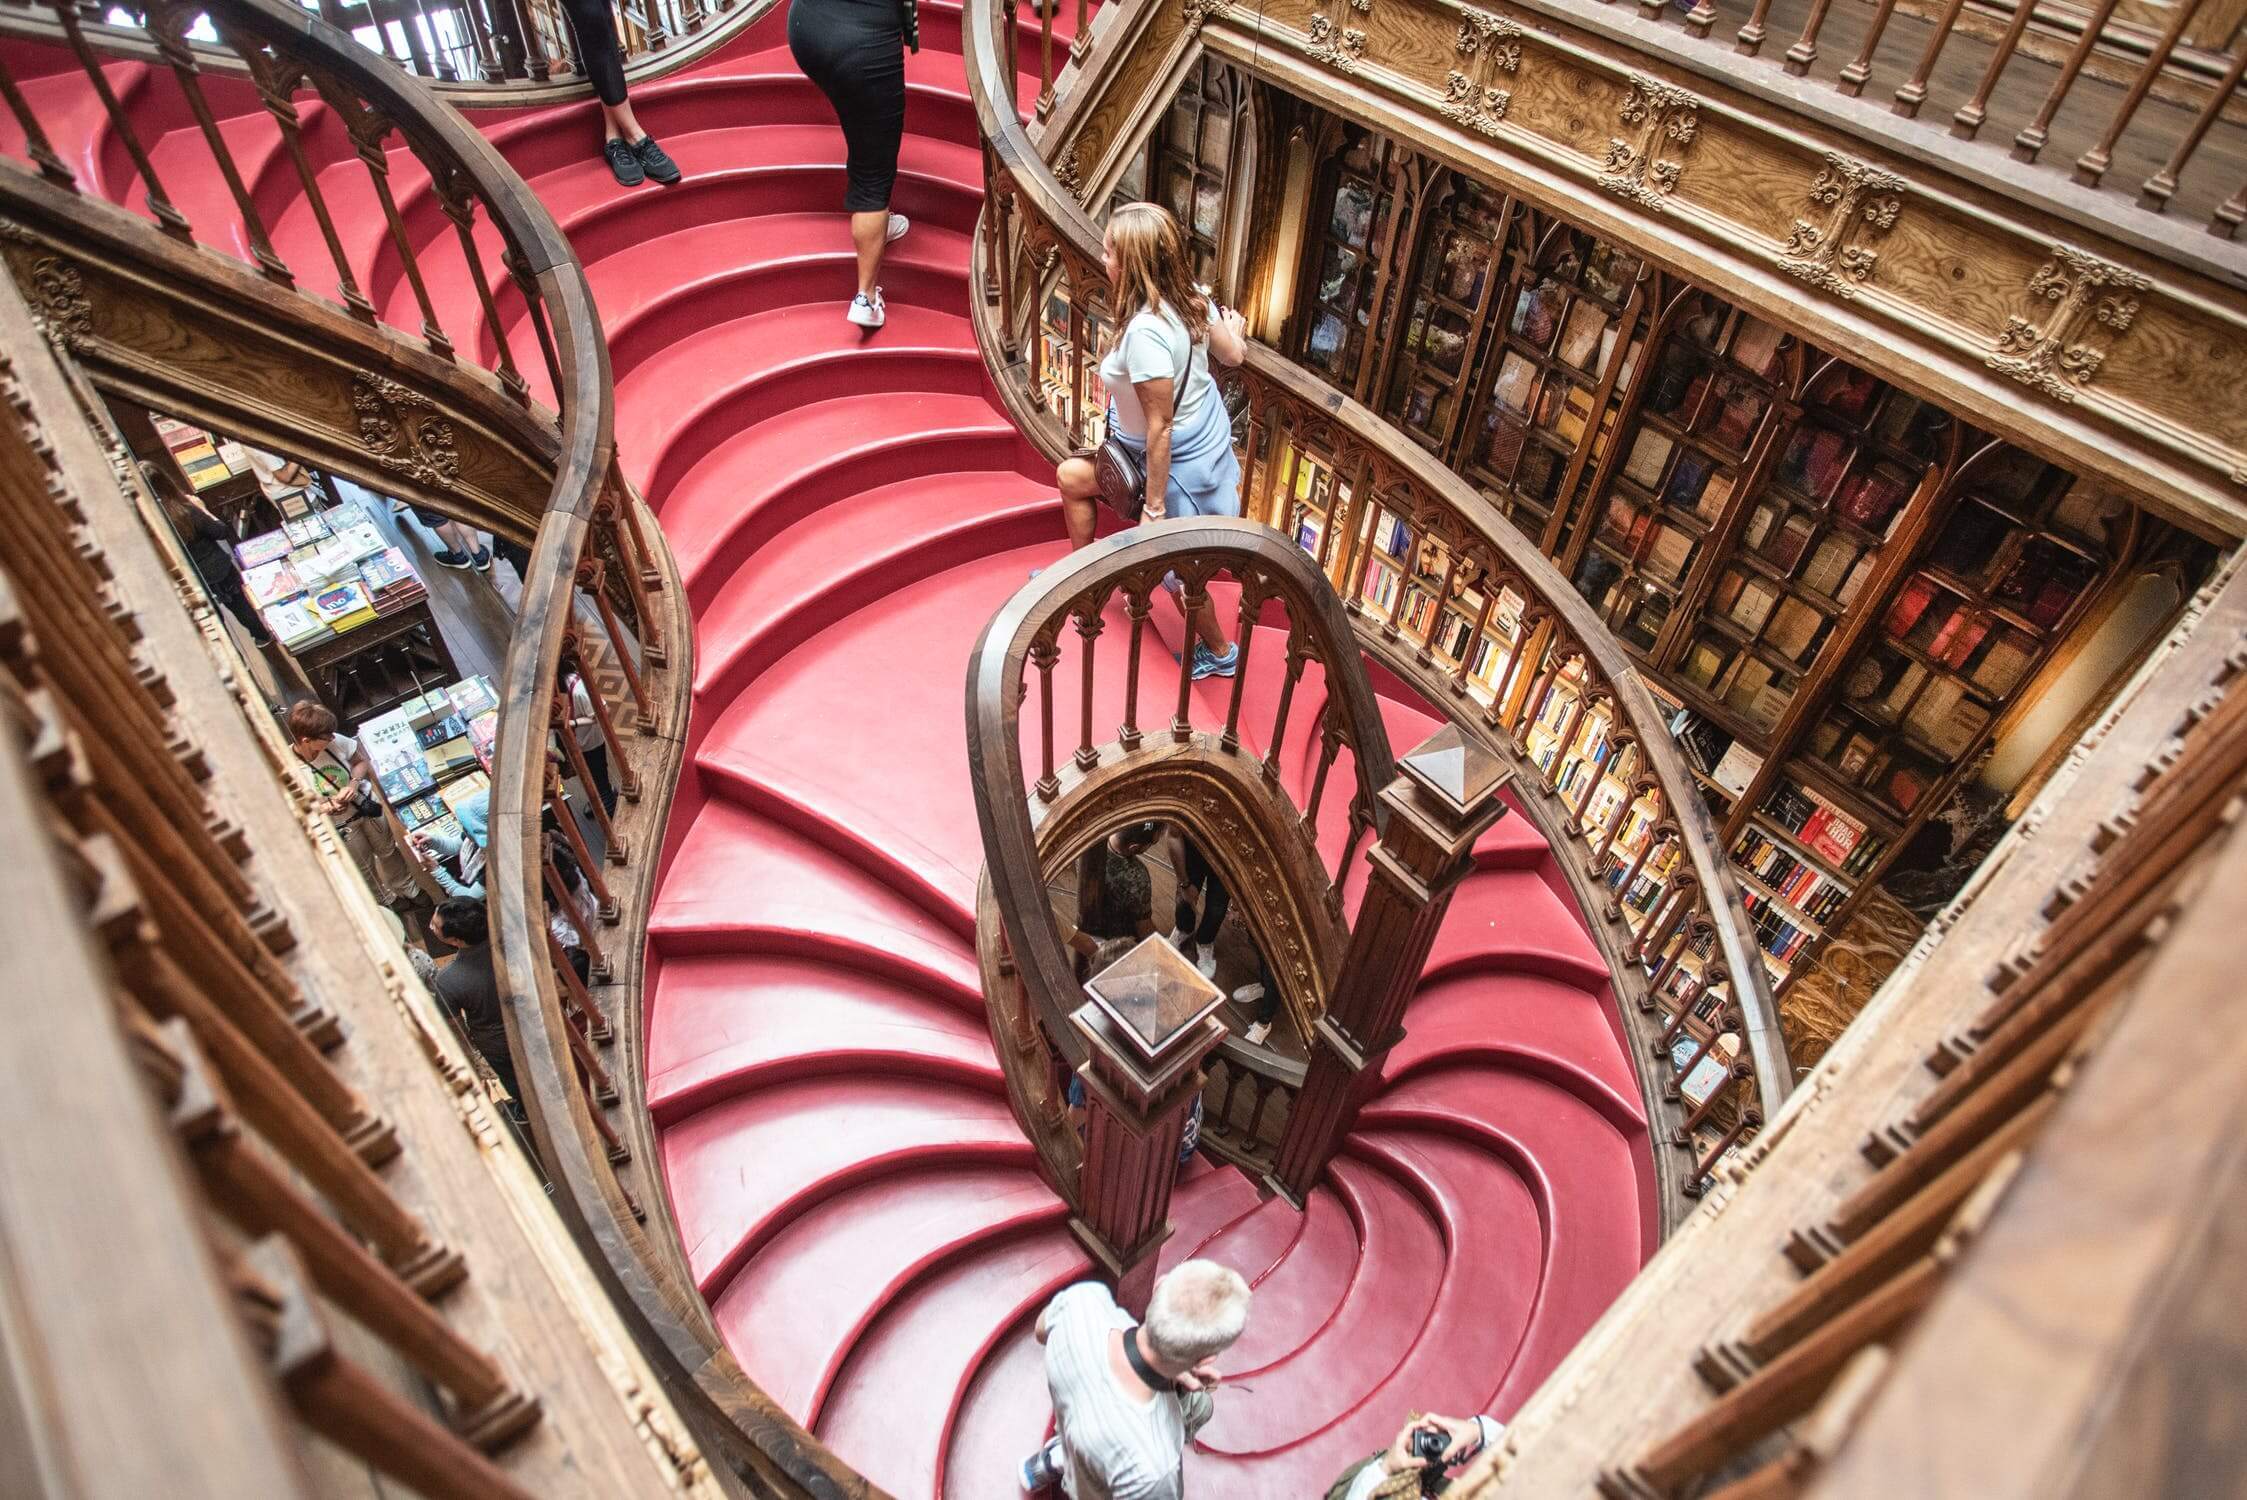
(347, 606)
(430, 754)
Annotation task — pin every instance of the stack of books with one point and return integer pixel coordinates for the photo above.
(390, 581)
(269, 583)
(344, 606)
(295, 624)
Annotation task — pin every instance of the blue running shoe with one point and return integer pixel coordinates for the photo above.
(1208, 663)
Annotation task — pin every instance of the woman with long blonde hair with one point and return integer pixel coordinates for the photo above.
(1163, 404)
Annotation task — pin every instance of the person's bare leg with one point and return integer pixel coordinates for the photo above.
(1079, 487)
(869, 235)
(1211, 629)
(620, 123)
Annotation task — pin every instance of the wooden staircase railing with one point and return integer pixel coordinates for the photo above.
(440, 415)
(1667, 917)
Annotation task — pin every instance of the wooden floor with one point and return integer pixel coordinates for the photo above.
(2217, 170)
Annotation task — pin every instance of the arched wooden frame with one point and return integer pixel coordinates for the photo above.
(1018, 867)
(1444, 192)
(1401, 176)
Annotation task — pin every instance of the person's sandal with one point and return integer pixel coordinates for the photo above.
(624, 163)
(655, 161)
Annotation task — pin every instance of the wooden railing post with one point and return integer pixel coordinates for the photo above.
(1148, 1026)
(1445, 797)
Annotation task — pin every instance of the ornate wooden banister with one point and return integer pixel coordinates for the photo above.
(1667, 914)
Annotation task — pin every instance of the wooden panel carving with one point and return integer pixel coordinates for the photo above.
(2090, 352)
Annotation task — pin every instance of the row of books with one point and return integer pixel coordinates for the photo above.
(1821, 827)
(1796, 881)
(1777, 933)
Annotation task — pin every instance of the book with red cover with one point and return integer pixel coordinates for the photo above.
(1908, 607)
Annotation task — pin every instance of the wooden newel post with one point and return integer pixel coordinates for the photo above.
(1149, 1023)
(1444, 798)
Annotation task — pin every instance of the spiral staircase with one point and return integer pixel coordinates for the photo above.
(853, 1195)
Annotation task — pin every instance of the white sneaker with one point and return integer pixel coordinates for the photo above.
(898, 224)
(1207, 963)
(1255, 1035)
(868, 313)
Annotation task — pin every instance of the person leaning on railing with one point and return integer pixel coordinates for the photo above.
(1163, 405)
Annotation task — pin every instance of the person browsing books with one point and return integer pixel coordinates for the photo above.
(457, 863)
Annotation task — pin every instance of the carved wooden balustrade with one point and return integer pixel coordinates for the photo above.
(1646, 865)
(476, 53)
(1081, 631)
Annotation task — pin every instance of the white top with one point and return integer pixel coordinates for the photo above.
(1156, 346)
(588, 728)
(1113, 1445)
(331, 768)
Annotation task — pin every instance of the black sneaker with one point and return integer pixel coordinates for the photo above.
(655, 161)
(483, 559)
(624, 162)
(448, 558)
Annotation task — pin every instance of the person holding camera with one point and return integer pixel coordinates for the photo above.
(1420, 1458)
(343, 788)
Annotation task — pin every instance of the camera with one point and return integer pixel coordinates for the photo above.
(1429, 1444)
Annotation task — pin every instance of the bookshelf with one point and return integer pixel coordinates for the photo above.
(1811, 539)
(1345, 252)
(1563, 352)
(1190, 158)
(1718, 379)
(1460, 275)
(2016, 556)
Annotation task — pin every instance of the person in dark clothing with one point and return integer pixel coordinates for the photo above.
(632, 154)
(854, 50)
(1115, 890)
(1196, 934)
(469, 986)
(210, 548)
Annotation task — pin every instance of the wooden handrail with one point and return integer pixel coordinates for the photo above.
(1694, 942)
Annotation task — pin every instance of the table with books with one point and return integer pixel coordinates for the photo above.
(430, 754)
(349, 608)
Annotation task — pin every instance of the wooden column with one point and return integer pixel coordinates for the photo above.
(1149, 1024)
(1444, 798)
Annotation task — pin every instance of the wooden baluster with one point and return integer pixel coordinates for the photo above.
(1081, 43)
(1740, 1073)
(1898, 1240)
(35, 142)
(1813, 1441)
(1298, 653)
(1605, 846)
(340, 1400)
(260, 1199)
(527, 285)
(1751, 1118)
(1662, 919)
(2092, 165)
(566, 820)
(1010, 31)
(1700, 18)
(1330, 745)
(616, 520)
(1749, 38)
(621, 775)
(1539, 694)
(1673, 945)
(1974, 111)
(1655, 838)
(168, 21)
(1436, 615)
(369, 129)
(2229, 214)
(168, 218)
(1138, 604)
(2155, 193)
(2032, 136)
(1361, 823)
(558, 720)
(277, 81)
(1707, 1044)
(580, 1011)
(1804, 52)
(1046, 9)
(597, 962)
(1913, 91)
(1043, 654)
(271, 1100)
(1089, 625)
(1460, 673)
(1916, 1172)
(1078, 416)
(1196, 599)
(1408, 563)
(536, 65)
(1600, 760)
(1565, 741)
(457, 197)
(1671, 1032)
(1859, 68)
(592, 573)
(1244, 636)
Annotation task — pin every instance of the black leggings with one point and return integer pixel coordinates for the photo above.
(855, 51)
(1216, 900)
(597, 51)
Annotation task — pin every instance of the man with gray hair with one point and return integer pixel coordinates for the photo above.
(1128, 1397)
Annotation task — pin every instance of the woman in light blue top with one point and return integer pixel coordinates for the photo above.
(457, 864)
(1162, 402)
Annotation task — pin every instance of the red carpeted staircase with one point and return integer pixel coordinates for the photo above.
(855, 1199)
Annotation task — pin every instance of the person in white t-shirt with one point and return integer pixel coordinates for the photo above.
(1128, 1397)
